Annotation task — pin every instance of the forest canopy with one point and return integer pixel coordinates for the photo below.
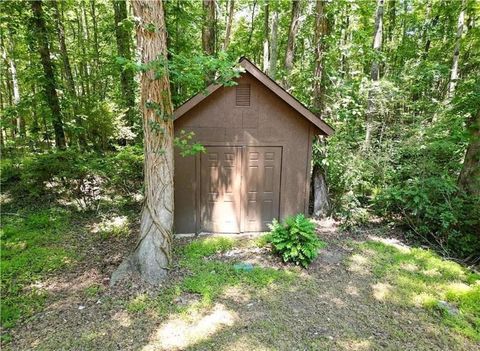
(398, 80)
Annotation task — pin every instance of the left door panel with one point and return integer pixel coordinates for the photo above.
(220, 189)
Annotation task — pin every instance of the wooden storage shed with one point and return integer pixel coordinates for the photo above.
(257, 165)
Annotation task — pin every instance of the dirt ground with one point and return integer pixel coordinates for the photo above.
(331, 306)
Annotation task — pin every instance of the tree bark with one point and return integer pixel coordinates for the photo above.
(292, 33)
(127, 83)
(266, 35)
(456, 53)
(320, 191)
(374, 73)
(49, 83)
(208, 28)
(208, 34)
(19, 127)
(321, 28)
(469, 179)
(68, 72)
(228, 28)
(274, 46)
(152, 255)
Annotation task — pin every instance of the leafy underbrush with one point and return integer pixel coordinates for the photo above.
(75, 176)
(31, 249)
(420, 277)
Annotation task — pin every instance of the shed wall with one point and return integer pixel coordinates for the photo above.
(268, 121)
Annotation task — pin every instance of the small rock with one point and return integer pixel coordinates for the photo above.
(81, 307)
(451, 309)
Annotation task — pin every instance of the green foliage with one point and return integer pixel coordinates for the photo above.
(31, 249)
(186, 146)
(295, 240)
(83, 177)
(421, 278)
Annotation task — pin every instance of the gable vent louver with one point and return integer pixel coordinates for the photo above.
(243, 95)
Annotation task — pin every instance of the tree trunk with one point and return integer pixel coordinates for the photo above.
(292, 33)
(274, 46)
(49, 82)
(469, 179)
(345, 35)
(228, 29)
(208, 34)
(374, 73)
(456, 53)
(152, 254)
(68, 73)
(127, 83)
(208, 28)
(320, 191)
(321, 28)
(266, 45)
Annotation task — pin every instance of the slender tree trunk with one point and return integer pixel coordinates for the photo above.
(266, 34)
(469, 179)
(152, 255)
(208, 28)
(344, 35)
(321, 28)
(292, 33)
(96, 51)
(274, 46)
(127, 83)
(456, 53)
(228, 29)
(7, 55)
(208, 33)
(320, 191)
(49, 83)
(70, 83)
(374, 72)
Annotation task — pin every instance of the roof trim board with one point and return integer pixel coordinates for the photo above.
(270, 84)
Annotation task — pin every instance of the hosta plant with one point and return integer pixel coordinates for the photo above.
(295, 240)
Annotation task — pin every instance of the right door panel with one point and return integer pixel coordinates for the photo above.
(261, 182)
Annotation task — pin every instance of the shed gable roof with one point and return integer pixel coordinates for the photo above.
(271, 85)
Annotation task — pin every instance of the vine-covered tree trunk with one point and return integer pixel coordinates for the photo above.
(292, 33)
(127, 83)
(469, 179)
(228, 29)
(49, 82)
(152, 254)
(374, 72)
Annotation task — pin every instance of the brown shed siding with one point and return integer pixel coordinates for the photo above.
(268, 122)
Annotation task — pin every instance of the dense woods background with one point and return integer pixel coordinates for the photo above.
(398, 80)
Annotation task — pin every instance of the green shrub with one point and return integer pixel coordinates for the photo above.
(295, 240)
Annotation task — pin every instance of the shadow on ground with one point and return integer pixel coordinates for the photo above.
(337, 304)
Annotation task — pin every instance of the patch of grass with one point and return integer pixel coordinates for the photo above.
(208, 278)
(93, 290)
(140, 303)
(420, 277)
(206, 247)
(31, 248)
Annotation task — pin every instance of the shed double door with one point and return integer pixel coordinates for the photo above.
(239, 188)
